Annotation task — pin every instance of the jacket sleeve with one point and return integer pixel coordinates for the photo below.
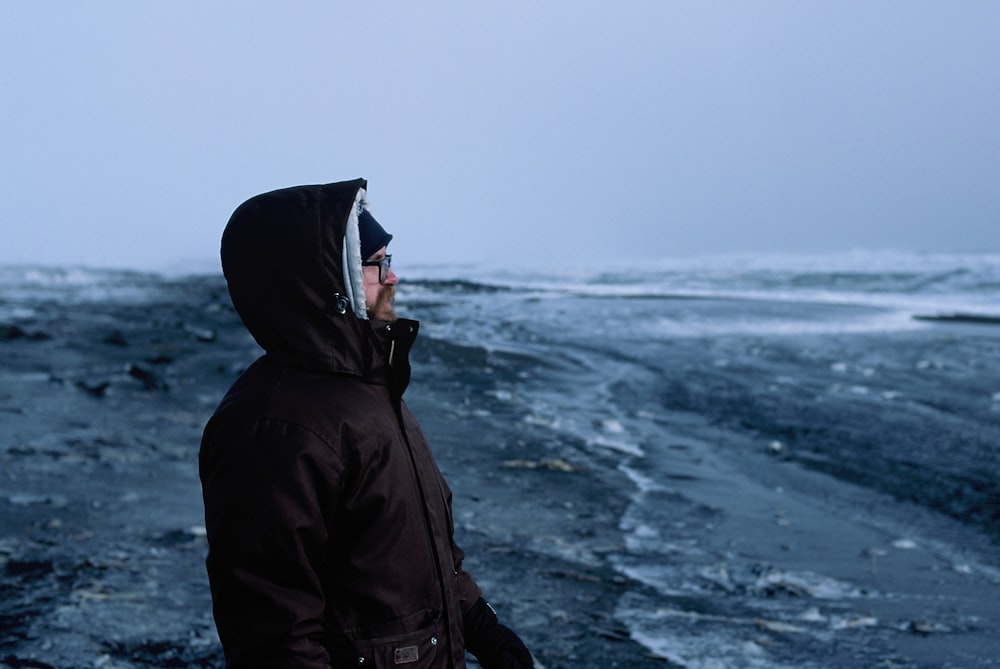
(265, 491)
(466, 587)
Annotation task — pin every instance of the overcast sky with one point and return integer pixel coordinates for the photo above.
(517, 132)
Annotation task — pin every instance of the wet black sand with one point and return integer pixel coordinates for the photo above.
(101, 540)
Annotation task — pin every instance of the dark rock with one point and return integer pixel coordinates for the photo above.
(95, 389)
(150, 380)
(15, 332)
(175, 537)
(29, 568)
(18, 662)
(11, 332)
(116, 338)
(974, 319)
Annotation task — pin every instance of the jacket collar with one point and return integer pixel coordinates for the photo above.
(394, 341)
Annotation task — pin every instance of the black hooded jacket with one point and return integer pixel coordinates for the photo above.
(329, 524)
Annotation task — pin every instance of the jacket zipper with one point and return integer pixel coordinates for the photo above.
(428, 525)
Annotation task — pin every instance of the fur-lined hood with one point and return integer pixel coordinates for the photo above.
(292, 259)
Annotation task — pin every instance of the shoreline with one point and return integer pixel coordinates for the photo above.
(102, 546)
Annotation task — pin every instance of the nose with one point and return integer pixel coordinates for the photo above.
(391, 279)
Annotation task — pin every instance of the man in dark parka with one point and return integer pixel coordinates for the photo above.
(329, 525)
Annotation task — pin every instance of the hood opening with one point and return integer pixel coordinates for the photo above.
(351, 260)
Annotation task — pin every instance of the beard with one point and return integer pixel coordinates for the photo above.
(383, 308)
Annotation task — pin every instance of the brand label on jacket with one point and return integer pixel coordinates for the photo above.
(407, 654)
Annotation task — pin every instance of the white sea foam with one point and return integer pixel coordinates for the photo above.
(613, 426)
(672, 327)
(708, 651)
(643, 483)
(539, 420)
(502, 395)
(26, 285)
(705, 641)
(899, 285)
(16, 313)
(808, 584)
(626, 447)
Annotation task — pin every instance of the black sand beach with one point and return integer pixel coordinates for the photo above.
(101, 540)
(102, 403)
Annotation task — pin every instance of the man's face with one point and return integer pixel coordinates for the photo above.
(379, 297)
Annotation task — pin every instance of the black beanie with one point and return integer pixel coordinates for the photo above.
(373, 237)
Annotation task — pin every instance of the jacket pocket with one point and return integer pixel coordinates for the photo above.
(411, 650)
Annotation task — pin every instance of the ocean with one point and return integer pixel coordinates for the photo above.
(809, 447)
(812, 443)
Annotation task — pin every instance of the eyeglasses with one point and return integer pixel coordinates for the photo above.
(383, 267)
